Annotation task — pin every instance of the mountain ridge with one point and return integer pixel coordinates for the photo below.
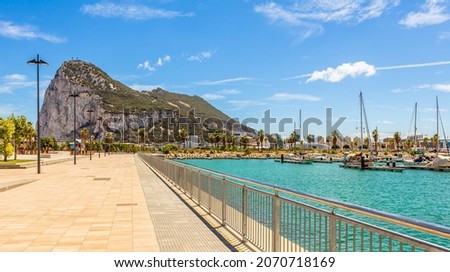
(121, 110)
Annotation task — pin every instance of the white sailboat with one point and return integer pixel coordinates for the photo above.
(442, 160)
(359, 160)
(419, 151)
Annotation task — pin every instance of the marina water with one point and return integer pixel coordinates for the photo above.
(418, 194)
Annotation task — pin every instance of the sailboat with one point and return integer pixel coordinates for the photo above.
(359, 160)
(419, 159)
(441, 161)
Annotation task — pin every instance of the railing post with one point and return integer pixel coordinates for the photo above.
(199, 188)
(191, 185)
(224, 200)
(209, 194)
(244, 213)
(276, 219)
(332, 234)
(184, 184)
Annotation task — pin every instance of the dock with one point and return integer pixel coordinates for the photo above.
(294, 161)
(424, 167)
(379, 168)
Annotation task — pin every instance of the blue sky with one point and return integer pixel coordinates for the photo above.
(246, 57)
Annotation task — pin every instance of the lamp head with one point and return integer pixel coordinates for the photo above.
(39, 62)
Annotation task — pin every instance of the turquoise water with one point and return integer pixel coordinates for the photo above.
(423, 195)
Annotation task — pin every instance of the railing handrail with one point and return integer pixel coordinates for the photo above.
(404, 221)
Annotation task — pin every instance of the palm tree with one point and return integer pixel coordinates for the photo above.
(29, 135)
(141, 133)
(109, 138)
(392, 143)
(425, 142)
(183, 135)
(310, 139)
(435, 141)
(334, 138)
(293, 138)
(397, 140)
(212, 138)
(260, 138)
(84, 136)
(356, 142)
(244, 141)
(407, 144)
(375, 138)
(366, 142)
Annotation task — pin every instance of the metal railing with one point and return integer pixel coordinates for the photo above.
(277, 219)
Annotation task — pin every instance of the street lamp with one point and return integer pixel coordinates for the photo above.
(99, 119)
(38, 62)
(90, 133)
(74, 127)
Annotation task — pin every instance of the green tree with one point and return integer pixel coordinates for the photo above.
(435, 141)
(109, 138)
(293, 138)
(183, 135)
(7, 129)
(261, 138)
(141, 133)
(407, 144)
(84, 136)
(21, 126)
(49, 142)
(375, 137)
(334, 139)
(212, 139)
(244, 141)
(425, 141)
(310, 139)
(397, 140)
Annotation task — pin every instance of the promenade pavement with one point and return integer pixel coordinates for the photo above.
(112, 203)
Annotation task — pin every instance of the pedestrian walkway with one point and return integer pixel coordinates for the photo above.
(177, 227)
(97, 205)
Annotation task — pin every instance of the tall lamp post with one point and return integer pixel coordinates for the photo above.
(74, 126)
(99, 119)
(38, 62)
(90, 133)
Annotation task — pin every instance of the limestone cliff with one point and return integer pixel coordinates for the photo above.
(125, 112)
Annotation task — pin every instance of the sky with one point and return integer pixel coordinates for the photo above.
(257, 61)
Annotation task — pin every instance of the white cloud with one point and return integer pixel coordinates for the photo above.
(159, 62)
(210, 97)
(433, 12)
(310, 14)
(437, 87)
(342, 71)
(129, 11)
(26, 32)
(15, 77)
(444, 36)
(223, 81)
(359, 68)
(230, 91)
(200, 57)
(276, 12)
(241, 104)
(417, 65)
(12, 82)
(290, 97)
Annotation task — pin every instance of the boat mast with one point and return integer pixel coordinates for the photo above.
(360, 118)
(437, 123)
(415, 125)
